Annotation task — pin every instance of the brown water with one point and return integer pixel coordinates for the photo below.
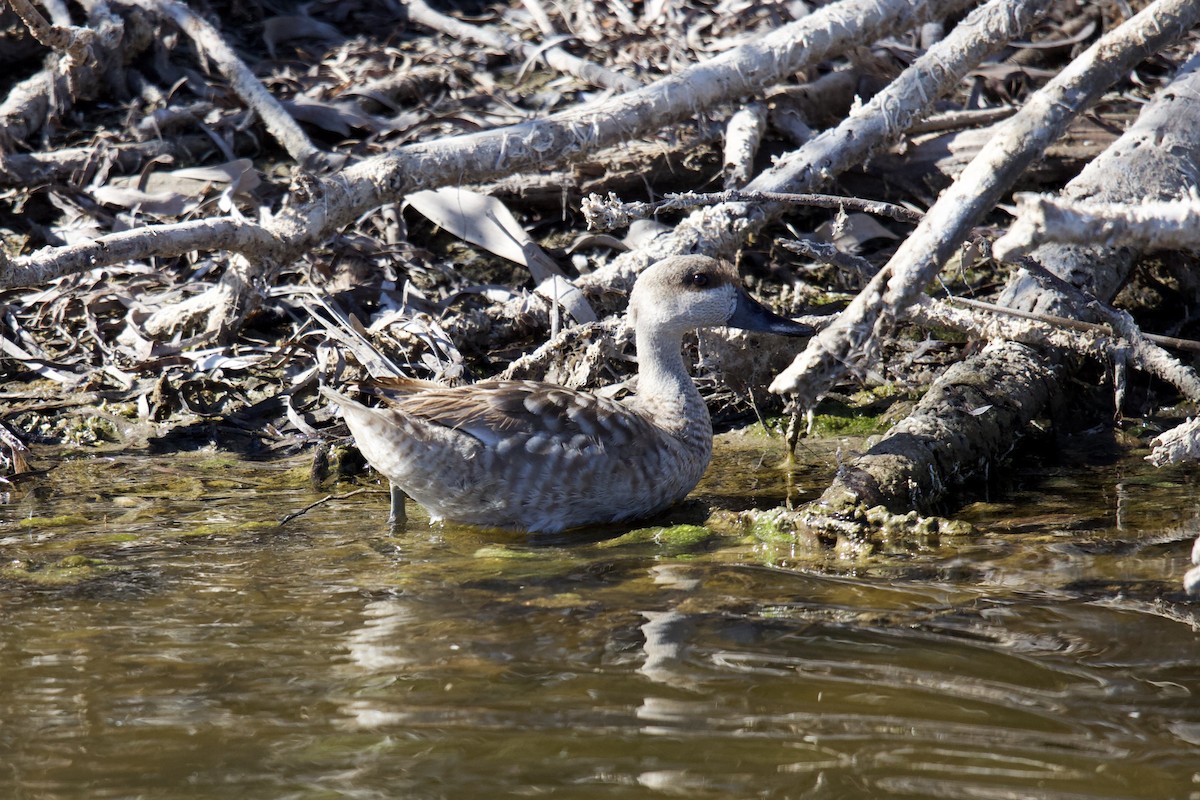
(184, 654)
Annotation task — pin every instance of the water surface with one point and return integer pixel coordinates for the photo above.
(163, 638)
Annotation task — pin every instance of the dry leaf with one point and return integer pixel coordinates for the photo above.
(485, 221)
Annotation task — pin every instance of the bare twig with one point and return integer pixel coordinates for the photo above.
(1046, 330)
(968, 118)
(828, 254)
(208, 39)
(609, 213)
(1189, 345)
(284, 520)
(71, 40)
(1161, 225)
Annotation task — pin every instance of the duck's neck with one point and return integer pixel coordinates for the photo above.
(666, 392)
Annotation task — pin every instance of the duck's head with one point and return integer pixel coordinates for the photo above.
(684, 292)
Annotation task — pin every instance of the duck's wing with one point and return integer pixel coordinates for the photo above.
(528, 410)
(396, 385)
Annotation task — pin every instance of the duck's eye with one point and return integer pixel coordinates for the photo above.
(698, 279)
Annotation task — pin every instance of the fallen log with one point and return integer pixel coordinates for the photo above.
(972, 417)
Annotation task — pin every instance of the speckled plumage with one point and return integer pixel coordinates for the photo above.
(541, 457)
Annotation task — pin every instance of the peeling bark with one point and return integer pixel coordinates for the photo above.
(719, 230)
(850, 341)
(1155, 159)
(320, 207)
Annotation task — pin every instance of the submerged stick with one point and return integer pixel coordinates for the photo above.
(285, 519)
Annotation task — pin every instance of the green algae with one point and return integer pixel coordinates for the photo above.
(769, 527)
(58, 521)
(564, 600)
(498, 551)
(852, 424)
(229, 528)
(853, 537)
(675, 537)
(67, 571)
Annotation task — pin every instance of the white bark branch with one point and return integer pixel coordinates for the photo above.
(721, 229)
(237, 236)
(1157, 225)
(312, 216)
(960, 207)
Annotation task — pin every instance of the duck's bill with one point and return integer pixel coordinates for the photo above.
(752, 315)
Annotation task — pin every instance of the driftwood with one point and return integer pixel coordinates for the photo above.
(721, 229)
(320, 207)
(1160, 225)
(1043, 118)
(975, 414)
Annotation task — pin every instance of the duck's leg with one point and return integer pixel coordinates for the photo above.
(397, 515)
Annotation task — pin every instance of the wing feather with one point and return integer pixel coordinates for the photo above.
(493, 410)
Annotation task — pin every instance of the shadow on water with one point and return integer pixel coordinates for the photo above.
(163, 637)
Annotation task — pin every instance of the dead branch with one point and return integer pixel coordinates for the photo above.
(743, 135)
(248, 87)
(995, 323)
(73, 41)
(318, 208)
(832, 352)
(218, 233)
(1162, 225)
(909, 469)
(1173, 342)
(74, 164)
(673, 158)
(609, 213)
(721, 229)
